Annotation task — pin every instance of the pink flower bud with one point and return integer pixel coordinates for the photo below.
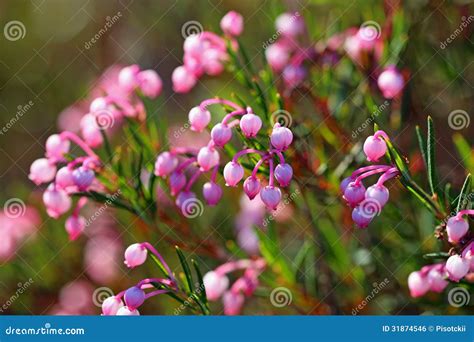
(283, 174)
(290, 24)
(221, 134)
(150, 83)
(134, 297)
(456, 228)
(165, 163)
(293, 75)
(83, 177)
(354, 193)
(374, 148)
(125, 311)
(212, 193)
(252, 187)
(361, 218)
(250, 124)
(281, 137)
(377, 193)
(135, 255)
(468, 254)
(277, 56)
(436, 280)
(212, 61)
(207, 158)
(232, 24)
(99, 104)
(457, 267)
(90, 131)
(128, 77)
(75, 226)
(183, 80)
(177, 182)
(193, 45)
(64, 178)
(418, 284)
(57, 201)
(233, 303)
(215, 285)
(194, 65)
(390, 82)
(233, 173)
(56, 147)
(111, 305)
(42, 171)
(199, 118)
(271, 196)
(344, 183)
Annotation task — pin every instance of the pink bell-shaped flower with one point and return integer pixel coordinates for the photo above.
(177, 182)
(199, 118)
(165, 163)
(281, 137)
(75, 225)
(221, 134)
(283, 174)
(391, 82)
(374, 148)
(83, 177)
(135, 255)
(111, 306)
(233, 303)
(215, 284)
(232, 24)
(212, 193)
(378, 194)
(290, 24)
(150, 83)
(361, 218)
(125, 311)
(42, 171)
(183, 80)
(354, 193)
(128, 77)
(252, 187)
(233, 173)
(418, 284)
(134, 297)
(64, 178)
(456, 228)
(57, 201)
(250, 124)
(207, 158)
(271, 196)
(56, 147)
(457, 267)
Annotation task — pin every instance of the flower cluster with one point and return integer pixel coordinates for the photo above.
(458, 266)
(216, 283)
(367, 203)
(287, 55)
(71, 174)
(205, 53)
(173, 163)
(126, 303)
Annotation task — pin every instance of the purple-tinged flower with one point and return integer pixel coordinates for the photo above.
(42, 171)
(125, 311)
(252, 187)
(283, 174)
(215, 285)
(212, 193)
(232, 24)
(374, 148)
(377, 193)
(233, 173)
(457, 267)
(165, 164)
(150, 83)
(199, 118)
(391, 82)
(111, 306)
(207, 158)
(281, 137)
(418, 284)
(75, 225)
(250, 124)
(221, 134)
(456, 228)
(135, 255)
(233, 303)
(183, 80)
(271, 196)
(187, 202)
(83, 177)
(361, 218)
(56, 147)
(290, 24)
(177, 182)
(354, 193)
(57, 201)
(293, 75)
(134, 297)
(344, 183)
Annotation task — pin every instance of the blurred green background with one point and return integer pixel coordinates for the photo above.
(52, 68)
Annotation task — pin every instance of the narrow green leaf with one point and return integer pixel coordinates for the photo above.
(421, 144)
(465, 194)
(430, 159)
(201, 288)
(186, 269)
(438, 255)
